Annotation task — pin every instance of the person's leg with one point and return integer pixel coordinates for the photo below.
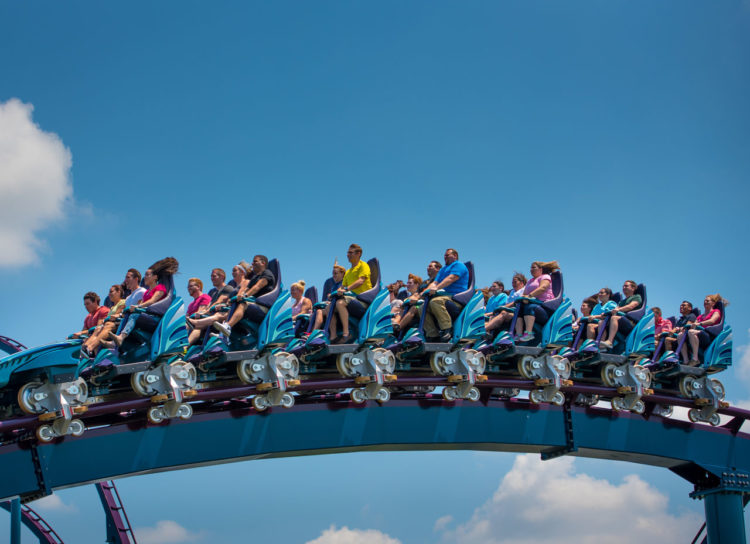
(126, 330)
(494, 323)
(238, 314)
(669, 343)
(614, 324)
(440, 313)
(591, 331)
(408, 317)
(343, 315)
(194, 336)
(320, 316)
(693, 337)
(684, 349)
(430, 328)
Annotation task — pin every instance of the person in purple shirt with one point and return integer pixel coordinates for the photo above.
(453, 278)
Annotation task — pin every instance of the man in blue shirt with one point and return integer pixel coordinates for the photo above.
(452, 278)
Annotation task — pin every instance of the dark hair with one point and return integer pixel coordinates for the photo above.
(93, 297)
(220, 272)
(119, 288)
(688, 303)
(607, 290)
(436, 263)
(500, 284)
(135, 274)
(656, 309)
(590, 302)
(520, 277)
(262, 258)
(164, 269)
(356, 248)
(451, 250)
(631, 282)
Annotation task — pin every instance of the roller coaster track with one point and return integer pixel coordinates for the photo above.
(36, 524)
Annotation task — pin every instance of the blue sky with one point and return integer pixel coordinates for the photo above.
(612, 136)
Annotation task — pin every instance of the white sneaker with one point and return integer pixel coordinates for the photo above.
(223, 328)
(605, 344)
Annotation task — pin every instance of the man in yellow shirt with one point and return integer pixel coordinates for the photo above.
(356, 280)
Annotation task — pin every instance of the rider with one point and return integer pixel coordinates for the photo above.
(604, 305)
(453, 278)
(356, 280)
(539, 287)
(91, 345)
(686, 317)
(261, 282)
(699, 337)
(320, 314)
(96, 313)
(505, 314)
(623, 323)
(302, 304)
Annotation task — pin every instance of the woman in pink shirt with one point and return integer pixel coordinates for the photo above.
(538, 287)
(156, 278)
(699, 337)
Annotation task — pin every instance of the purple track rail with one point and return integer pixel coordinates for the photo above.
(119, 530)
(36, 524)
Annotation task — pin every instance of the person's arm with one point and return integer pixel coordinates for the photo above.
(306, 305)
(543, 286)
(153, 300)
(713, 320)
(666, 326)
(260, 284)
(629, 306)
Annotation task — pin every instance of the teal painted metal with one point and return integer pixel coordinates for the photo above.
(335, 427)
(725, 519)
(15, 521)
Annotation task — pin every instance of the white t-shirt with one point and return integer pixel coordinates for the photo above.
(135, 297)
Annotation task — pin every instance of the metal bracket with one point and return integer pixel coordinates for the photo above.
(729, 482)
(570, 443)
(43, 490)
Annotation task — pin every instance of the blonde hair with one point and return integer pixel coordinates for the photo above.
(300, 285)
(547, 266)
(717, 298)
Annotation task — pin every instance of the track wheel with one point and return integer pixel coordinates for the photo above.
(715, 419)
(185, 411)
(156, 415)
(437, 363)
(260, 403)
(473, 394)
(343, 366)
(358, 396)
(536, 396)
(449, 393)
(244, 372)
(608, 374)
(618, 404)
(76, 427)
(639, 407)
(693, 415)
(525, 368)
(287, 400)
(383, 395)
(45, 433)
(25, 400)
(558, 399)
(138, 384)
(687, 386)
(718, 389)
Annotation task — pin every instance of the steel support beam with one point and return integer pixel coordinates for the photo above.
(725, 519)
(15, 521)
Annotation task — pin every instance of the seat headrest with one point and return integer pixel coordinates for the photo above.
(269, 298)
(312, 294)
(374, 271)
(470, 267)
(327, 288)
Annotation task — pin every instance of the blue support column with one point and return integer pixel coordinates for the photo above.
(725, 519)
(15, 521)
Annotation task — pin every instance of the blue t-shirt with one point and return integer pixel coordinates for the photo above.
(600, 309)
(459, 269)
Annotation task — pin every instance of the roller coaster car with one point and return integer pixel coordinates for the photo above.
(694, 382)
(539, 359)
(304, 321)
(44, 382)
(366, 360)
(457, 360)
(256, 350)
(149, 360)
(625, 366)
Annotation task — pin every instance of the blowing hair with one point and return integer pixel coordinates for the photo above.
(547, 266)
(165, 269)
(716, 298)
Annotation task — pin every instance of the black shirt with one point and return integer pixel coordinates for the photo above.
(265, 275)
(685, 319)
(215, 293)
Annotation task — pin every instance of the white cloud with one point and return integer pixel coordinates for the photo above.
(35, 185)
(547, 502)
(53, 503)
(332, 535)
(165, 532)
(442, 522)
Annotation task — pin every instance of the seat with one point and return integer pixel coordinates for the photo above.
(557, 291)
(269, 298)
(463, 297)
(312, 294)
(368, 296)
(327, 288)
